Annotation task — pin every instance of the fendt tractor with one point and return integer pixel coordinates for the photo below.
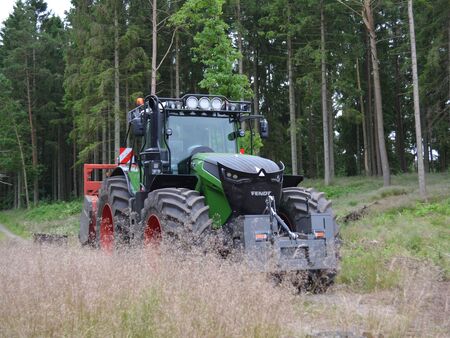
(189, 180)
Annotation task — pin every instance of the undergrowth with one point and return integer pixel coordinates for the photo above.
(373, 244)
(59, 217)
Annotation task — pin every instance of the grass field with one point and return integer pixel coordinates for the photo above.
(394, 278)
(57, 218)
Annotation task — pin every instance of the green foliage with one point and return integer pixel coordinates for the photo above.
(53, 211)
(213, 48)
(375, 246)
(246, 143)
(60, 217)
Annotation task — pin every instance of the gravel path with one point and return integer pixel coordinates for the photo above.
(9, 234)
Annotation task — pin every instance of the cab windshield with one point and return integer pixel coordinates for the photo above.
(189, 132)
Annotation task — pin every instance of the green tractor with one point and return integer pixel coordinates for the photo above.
(190, 181)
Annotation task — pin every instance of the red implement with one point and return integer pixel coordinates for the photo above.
(91, 187)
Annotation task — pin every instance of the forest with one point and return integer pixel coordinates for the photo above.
(333, 77)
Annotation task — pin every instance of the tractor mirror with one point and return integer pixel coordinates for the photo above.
(264, 128)
(235, 134)
(137, 126)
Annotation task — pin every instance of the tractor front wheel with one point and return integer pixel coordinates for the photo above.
(112, 226)
(178, 215)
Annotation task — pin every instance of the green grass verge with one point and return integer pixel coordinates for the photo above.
(371, 245)
(57, 218)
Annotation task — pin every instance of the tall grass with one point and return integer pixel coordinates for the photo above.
(73, 292)
(51, 291)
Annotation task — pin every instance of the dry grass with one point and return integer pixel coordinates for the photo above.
(67, 291)
(52, 291)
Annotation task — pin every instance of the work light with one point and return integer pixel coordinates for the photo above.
(216, 103)
(192, 102)
(204, 103)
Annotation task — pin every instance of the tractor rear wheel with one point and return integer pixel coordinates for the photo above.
(177, 215)
(296, 205)
(113, 214)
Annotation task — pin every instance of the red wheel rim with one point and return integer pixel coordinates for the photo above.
(152, 232)
(107, 230)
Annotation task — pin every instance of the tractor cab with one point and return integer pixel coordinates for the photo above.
(173, 130)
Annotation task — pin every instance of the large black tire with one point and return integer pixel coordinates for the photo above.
(113, 226)
(295, 206)
(177, 215)
(297, 203)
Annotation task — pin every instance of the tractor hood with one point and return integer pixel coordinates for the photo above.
(246, 180)
(243, 163)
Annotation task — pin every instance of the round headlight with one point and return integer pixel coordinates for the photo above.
(192, 102)
(231, 106)
(216, 103)
(204, 103)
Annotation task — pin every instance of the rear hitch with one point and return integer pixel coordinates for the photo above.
(270, 208)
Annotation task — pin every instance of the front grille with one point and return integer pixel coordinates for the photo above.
(247, 192)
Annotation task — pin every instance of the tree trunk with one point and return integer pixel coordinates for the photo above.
(256, 82)
(33, 140)
(312, 149)
(154, 46)
(104, 143)
(55, 176)
(368, 20)
(239, 36)
(61, 167)
(399, 135)
(370, 124)
(74, 163)
(177, 66)
(299, 139)
(420, 167)
(326, 134)
(364, 126)
(19, 191)
(426, 155)
(379, 170)
(116, 86)
(331, 133)
(109, 139)
(24, 168)
(96, 159)
(358, 151)
(293, 123)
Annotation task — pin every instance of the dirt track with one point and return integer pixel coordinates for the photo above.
(9, 234)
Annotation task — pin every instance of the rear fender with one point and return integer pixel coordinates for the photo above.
(119, 171)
